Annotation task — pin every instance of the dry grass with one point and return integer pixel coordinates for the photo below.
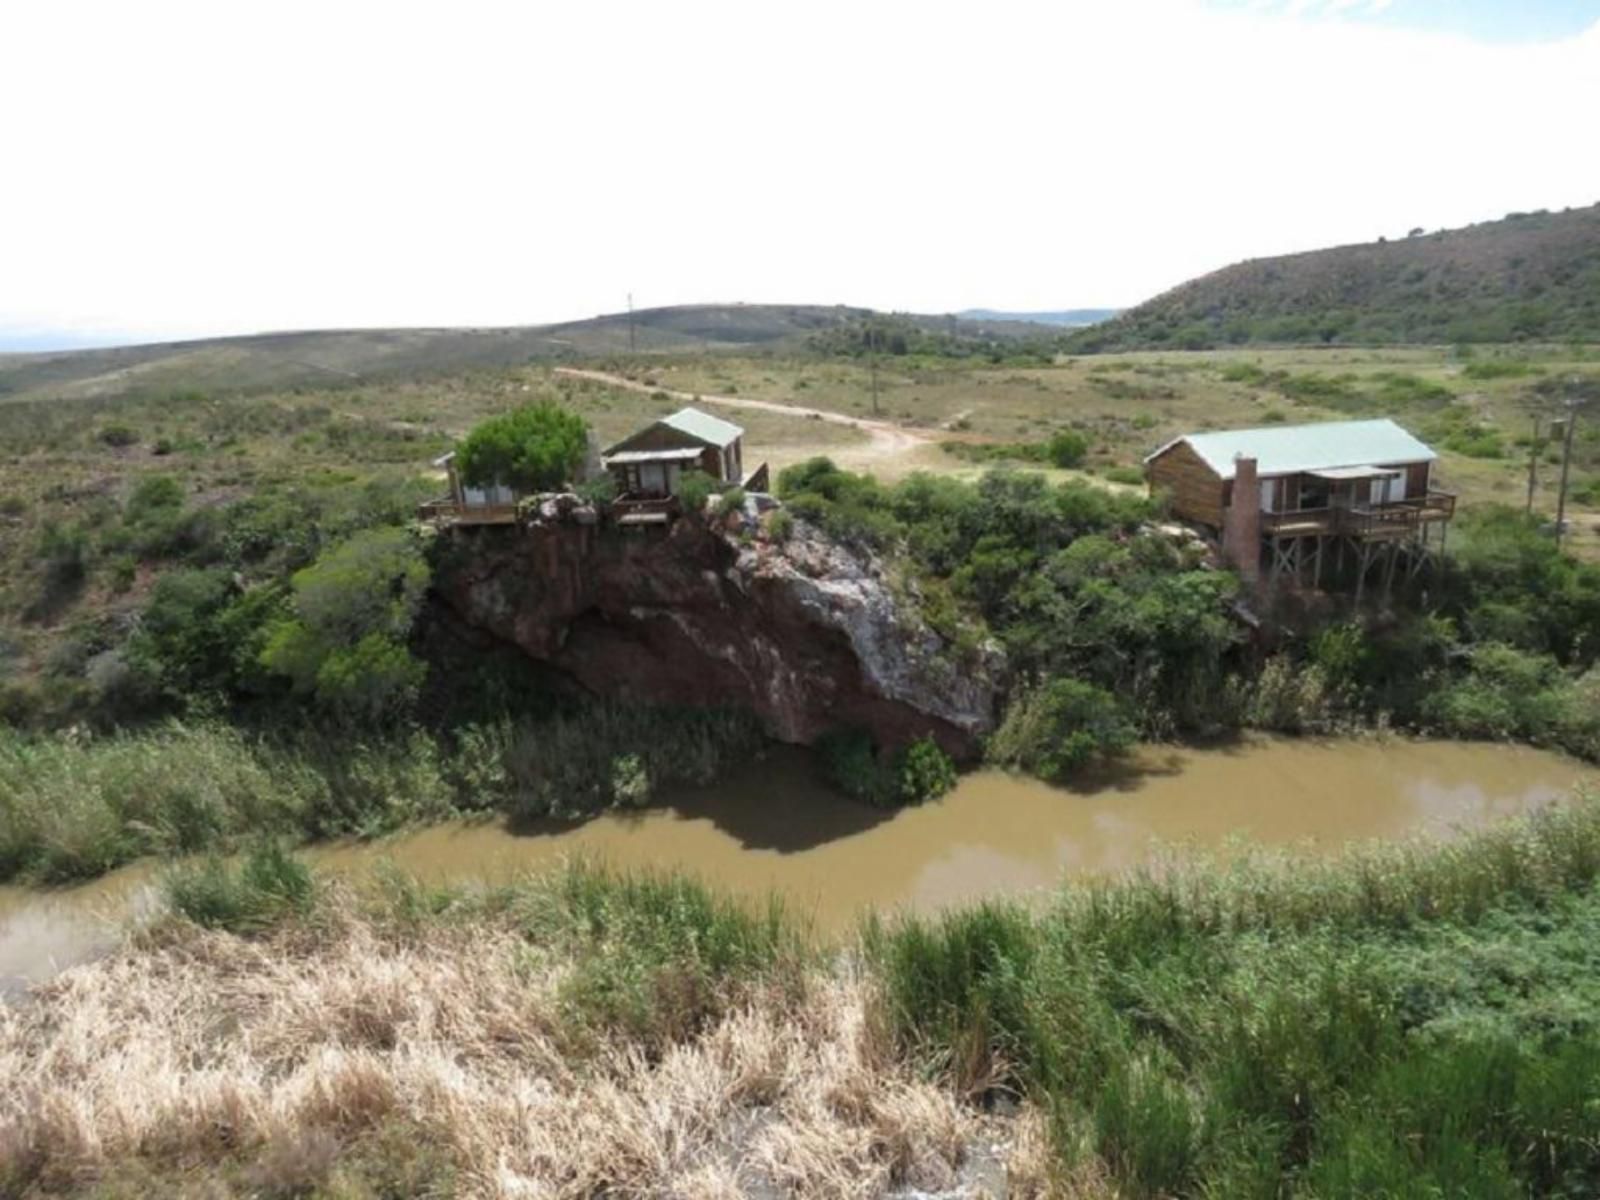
(268, 1067)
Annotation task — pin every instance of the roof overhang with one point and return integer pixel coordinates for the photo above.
(1335, 474)
(681, 454)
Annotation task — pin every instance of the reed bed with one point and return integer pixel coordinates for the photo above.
(1405, 1020)
(431, 1043)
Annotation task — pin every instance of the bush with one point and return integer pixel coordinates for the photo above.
(730, 501)
(1058, 729)
(780, 525)
(599, 491)
(353, 611)
(534, 448)
(694, 489)
(117, 435)
(1066, 448)
(854, 765)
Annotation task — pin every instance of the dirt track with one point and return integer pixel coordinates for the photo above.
(887, 443)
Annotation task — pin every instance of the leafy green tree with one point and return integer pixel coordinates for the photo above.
(353, 609)
(537, 447)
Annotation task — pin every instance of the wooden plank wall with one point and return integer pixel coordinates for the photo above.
(1197, 493)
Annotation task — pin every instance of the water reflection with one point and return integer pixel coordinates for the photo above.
(773, 825)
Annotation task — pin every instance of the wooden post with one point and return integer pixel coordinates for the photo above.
(1566, 466)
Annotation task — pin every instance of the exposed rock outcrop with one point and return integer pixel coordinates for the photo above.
(809, 634)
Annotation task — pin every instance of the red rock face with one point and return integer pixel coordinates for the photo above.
(808, 635)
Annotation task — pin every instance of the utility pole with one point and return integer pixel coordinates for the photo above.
(632, 346)
(1533, 463)
(1566, 462)
(872, 358)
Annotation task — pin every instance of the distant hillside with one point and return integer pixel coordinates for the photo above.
(1528, 277)
(275, 360)
(1070, 318)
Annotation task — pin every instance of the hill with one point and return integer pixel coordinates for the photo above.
(1526, 277)
(1071, 318)
(276, 360)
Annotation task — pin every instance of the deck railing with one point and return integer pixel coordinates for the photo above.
(1396, 518)
(447, 509)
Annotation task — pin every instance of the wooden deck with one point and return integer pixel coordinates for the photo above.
(1366, 522)
(449, 511)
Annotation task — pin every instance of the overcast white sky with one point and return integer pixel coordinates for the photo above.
(175, 169)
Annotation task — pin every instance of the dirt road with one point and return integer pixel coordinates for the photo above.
(888, 444)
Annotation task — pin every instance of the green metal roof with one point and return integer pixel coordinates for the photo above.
(704, 426)
(1290, 449)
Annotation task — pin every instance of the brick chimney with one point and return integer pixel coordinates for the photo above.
(1241, 524)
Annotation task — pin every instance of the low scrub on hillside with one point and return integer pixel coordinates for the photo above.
(1528, 277)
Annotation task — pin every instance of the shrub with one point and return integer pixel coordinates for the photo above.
(730, 501)
(153, 495)
(534, 448)
(694, 489)
(1066, 448)
(353, 611)
(854, 765)
(780, 525)
(925, 771)
(118, 435)
(599, 491)
(1060, 728)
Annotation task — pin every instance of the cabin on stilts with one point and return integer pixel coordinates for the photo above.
(1287, 499)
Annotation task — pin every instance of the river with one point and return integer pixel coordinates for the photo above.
(773, 826)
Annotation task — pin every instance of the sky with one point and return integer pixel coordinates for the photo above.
(173, 169)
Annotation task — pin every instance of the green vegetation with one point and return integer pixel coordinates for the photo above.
(1403, 1022)
(1060, 728)
(1528, 277)
(1065, 448)
(1416, 1020)
(267, 885)
(353, 609)
(1114, 632)
(535, 448)
(75, 806)
(919, 772)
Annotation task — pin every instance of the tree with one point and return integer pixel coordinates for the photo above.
(353, 610)
(537, 447)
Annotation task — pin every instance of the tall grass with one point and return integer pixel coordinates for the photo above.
(267, 884)
(1401, 1021)
(76, 805)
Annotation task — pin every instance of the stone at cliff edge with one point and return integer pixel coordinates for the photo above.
(808, 633)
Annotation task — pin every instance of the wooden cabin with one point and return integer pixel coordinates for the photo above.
(648, 464)
(492, 505)
(1283, 492)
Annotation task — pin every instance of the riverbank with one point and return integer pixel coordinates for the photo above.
(772, 825)
(1402, 1018)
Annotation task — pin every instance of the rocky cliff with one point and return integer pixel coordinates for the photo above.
(807, 633)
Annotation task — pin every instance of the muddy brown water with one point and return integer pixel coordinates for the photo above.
(773, 826)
